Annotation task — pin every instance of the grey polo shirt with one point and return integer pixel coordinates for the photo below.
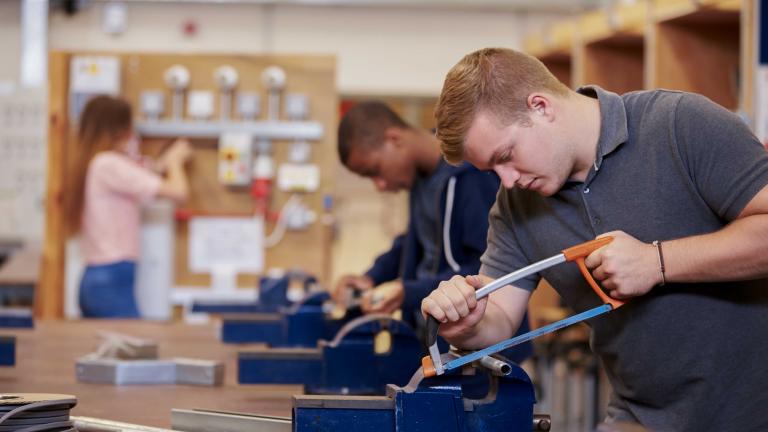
(684, 357)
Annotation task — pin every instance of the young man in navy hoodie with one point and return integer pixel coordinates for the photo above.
(448, 212)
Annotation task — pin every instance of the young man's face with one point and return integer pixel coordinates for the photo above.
(389, 166)
(525, 156)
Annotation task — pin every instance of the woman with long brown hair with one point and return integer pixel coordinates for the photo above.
(110, 185)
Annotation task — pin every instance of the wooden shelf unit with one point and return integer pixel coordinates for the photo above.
(615, 63)
(702, 46)
(555, 50)
(613, 48)
(700, 52)
(561, 66)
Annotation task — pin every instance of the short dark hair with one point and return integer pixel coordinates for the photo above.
(364, 126)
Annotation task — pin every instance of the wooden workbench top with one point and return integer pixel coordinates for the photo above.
(45, 363)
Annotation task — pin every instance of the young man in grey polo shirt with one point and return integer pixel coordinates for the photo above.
(688, 350)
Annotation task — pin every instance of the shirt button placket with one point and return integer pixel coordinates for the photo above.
(594, 219)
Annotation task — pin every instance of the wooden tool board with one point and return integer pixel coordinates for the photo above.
(313, 76)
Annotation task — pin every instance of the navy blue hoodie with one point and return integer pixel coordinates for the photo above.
(466, 199)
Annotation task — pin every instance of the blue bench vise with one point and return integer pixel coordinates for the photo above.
(15, 317)
(446, 403)
(349, 364)
(300, 325)
(273, 295)
(7, 350)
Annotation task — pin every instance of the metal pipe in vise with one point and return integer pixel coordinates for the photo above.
(498, 367)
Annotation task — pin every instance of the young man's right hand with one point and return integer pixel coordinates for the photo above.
(341, 294)
(454, 305)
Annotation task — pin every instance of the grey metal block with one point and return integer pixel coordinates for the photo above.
(174, 371)
(199, 372)
(120, 372)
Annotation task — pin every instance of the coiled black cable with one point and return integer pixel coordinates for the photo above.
(36, 413)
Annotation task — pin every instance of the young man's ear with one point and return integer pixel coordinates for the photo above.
(394, 135)
(540, 104)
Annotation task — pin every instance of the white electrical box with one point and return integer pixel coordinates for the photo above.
(248, 105)
(235, 158)
(200, 104)
(298, 177)
(90, 76)
(114, 18)
(152, 104)
(296, 106)
(300, 217)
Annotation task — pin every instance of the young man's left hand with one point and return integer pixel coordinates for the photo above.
(626, 267)
(385, 298)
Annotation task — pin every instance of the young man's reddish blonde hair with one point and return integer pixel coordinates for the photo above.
(497, 80)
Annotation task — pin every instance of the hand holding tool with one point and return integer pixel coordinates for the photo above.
(433, 364)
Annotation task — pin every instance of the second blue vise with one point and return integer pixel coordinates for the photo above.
(300, 325)
(7, 350)
(365, 355)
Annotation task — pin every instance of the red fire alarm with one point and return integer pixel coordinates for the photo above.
(189, 27)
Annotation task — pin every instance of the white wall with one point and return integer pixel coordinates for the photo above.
(392, 51)
(157, 27)
(10, 40)
(379, 50)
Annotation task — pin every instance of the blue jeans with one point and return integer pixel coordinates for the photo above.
(106, 291)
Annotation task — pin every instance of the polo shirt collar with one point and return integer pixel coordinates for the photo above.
(613, 121)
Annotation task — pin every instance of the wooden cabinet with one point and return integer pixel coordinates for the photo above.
(702, 46)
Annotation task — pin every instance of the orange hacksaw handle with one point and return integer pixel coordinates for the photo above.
(578, 253)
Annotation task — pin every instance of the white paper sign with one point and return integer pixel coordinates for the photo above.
(95, 75)
(226, 242)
